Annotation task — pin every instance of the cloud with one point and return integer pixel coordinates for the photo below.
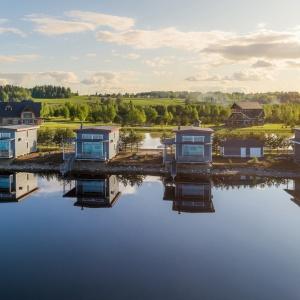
(53, 26)
(77, 21)
(18, 58)
(12, 30)
(166, 37)
(262, 64)
(130, 56)
(98, 19)
(111, 81)
(31, 79)
(237, 76)
(158, 62)
(292, 64)
(91, 55)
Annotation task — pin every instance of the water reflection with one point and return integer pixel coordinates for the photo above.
(190, 196)
(295, 191)
(14, 187)
(94, 193)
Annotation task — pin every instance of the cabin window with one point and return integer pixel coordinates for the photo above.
(27, 115)
(92, 149)
(5, 135)
(87, 136)
(193, 138)
(192, 150)
(192, 190)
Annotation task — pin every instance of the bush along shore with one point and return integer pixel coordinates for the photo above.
(150, 163)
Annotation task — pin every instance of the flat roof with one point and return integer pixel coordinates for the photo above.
(193, 128)
(19, 127)
(103, 128)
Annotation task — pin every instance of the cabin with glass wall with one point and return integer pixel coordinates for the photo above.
(97, 143)
(190, 145)
(17, 140)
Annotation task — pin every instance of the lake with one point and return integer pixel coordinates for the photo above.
(116, 237)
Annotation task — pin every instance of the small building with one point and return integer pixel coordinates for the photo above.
(17, 140)
(242, 148)
(190, 196)
(95, 193)
(246, 114)
(24, 112)
(14, 187)
(296, 142)
(190, 145)
(97, 143)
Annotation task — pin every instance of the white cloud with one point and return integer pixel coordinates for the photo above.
(158, 62)
(18, 58)
(12, 30)
(129, 56)
(236, 76)
(77, 21)
(262, 64)
(31, 79)
(98, 19)
(53, 26)
(111, 81)
(166, 37)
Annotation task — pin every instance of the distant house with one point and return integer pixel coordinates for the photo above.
(243, 148)
(190, 196)
(24, 112)
(17, 140)
(16, 186)
(101, 192)
(296, 142)
(190, 145)
(97, 143)
(246, 114)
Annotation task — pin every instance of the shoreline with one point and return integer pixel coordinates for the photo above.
(96, 168)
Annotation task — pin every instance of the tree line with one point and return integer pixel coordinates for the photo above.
(112, 111)
(16, 93)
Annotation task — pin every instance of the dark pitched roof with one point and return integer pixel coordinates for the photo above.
(240, 142)
(14, 109)
(247, 105)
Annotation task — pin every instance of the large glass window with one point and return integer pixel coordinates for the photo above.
(88, 136)
(5, 135)
(192, 190)
(192, 150)
(193, 138)
(92, 149)
(4, 145)
(93, 186)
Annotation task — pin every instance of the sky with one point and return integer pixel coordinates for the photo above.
(130, 46)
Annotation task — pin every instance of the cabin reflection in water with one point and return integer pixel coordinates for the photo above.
(100, 192)
(14, 187)
(190, 196)
(295, 192)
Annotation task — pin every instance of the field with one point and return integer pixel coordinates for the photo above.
(267, 128)
(93, 99)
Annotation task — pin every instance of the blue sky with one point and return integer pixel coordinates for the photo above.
(119, 46)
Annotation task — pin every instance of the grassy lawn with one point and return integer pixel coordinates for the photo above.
(267, 128)
(93, 99)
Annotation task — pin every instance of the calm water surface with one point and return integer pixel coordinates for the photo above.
(148, 238)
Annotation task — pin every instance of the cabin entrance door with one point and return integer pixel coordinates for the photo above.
(243, 152)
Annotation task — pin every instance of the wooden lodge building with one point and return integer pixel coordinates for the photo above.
(246, 114)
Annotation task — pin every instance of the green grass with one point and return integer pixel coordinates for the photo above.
(267, 128)
(93, 99)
